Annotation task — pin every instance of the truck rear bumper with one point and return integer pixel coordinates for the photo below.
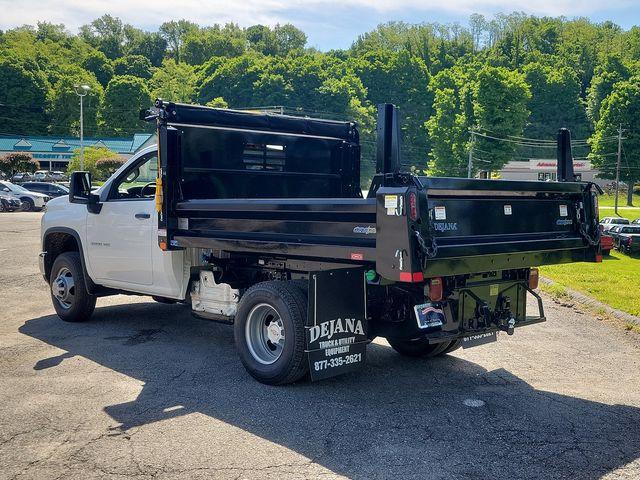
(439, 337)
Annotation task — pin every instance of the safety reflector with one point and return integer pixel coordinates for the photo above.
(435, 289)
(413, 206)
(534, 278)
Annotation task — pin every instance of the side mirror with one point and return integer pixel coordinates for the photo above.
(80, 187)
(80, 191)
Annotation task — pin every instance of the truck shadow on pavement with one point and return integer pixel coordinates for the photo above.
(397, 418)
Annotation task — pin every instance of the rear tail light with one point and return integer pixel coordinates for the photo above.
(413, 206)
(436, 289)
(534, 278)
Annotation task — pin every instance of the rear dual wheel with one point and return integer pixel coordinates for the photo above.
(422, 348)
(269, 332)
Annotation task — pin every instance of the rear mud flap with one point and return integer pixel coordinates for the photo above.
(336, 327)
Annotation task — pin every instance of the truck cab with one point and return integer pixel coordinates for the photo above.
(117, 242)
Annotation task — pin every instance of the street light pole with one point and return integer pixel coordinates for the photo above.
(618, 169)
(81, 91)
(470, 160)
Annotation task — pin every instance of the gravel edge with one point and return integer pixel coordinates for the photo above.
(593, 303)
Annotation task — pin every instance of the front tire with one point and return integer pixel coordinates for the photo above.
(71, 300)
(27, 205)
(418, 348)
(269, 332)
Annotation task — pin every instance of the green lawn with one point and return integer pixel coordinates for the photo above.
(609, 200)
(625, 212)
(615, 281)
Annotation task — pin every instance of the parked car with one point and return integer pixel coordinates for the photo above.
(628, 239)
(613, 233)
(8, 203)
(40, 175)
(21, 177)
(607, 223)
(606, 244)
(30, 200)
(51, 189)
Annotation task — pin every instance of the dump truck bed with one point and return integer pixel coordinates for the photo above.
(289, 187)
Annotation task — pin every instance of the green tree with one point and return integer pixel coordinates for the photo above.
(107, 34)
(65, 108)
(403, 80)
(217, 102)
(200, 45)
(91, 157)
(174, 33)
(24, 97)
(119, 112)
(106, 166)
(174, 81)
(150, 45)
(607, 74)
(14, 162)
(135, 65)
(98, 64)
(500, 108)
(555, 102)
(620, 108)
(288, 38)
(448, 130)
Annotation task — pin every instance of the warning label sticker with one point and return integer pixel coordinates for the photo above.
(440, 213)
(564, 212)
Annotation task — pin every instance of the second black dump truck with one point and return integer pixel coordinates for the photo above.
(262, 221)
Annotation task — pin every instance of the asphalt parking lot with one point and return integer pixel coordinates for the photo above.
(145, 390)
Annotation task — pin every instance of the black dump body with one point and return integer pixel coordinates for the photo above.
(287, 187)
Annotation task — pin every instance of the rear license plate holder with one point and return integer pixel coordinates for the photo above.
(428, 315)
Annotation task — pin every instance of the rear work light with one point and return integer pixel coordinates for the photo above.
(413, 206)
(436, 289)
(534, 278)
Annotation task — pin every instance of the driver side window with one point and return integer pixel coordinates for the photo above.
(139, 182)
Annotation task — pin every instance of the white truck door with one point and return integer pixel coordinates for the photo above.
(120, 238)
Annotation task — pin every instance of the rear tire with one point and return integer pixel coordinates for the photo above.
(27, 205)
(453, 346)
(418, 348)
(71, 300)
(269, 332)
(168, 301)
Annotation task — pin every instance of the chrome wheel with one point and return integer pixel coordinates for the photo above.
(63, 288)
(264, 333)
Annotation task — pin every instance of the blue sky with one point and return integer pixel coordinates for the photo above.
(328, 23)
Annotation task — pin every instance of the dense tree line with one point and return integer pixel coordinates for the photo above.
(513, 80)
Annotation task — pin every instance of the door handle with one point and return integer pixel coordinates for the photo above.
(142, 216)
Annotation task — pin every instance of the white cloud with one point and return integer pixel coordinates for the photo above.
(317, 17)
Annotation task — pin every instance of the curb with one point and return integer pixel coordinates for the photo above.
(592, 302)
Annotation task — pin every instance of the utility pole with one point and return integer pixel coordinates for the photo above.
(470, 161)
(81, 91)
(618, 167)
